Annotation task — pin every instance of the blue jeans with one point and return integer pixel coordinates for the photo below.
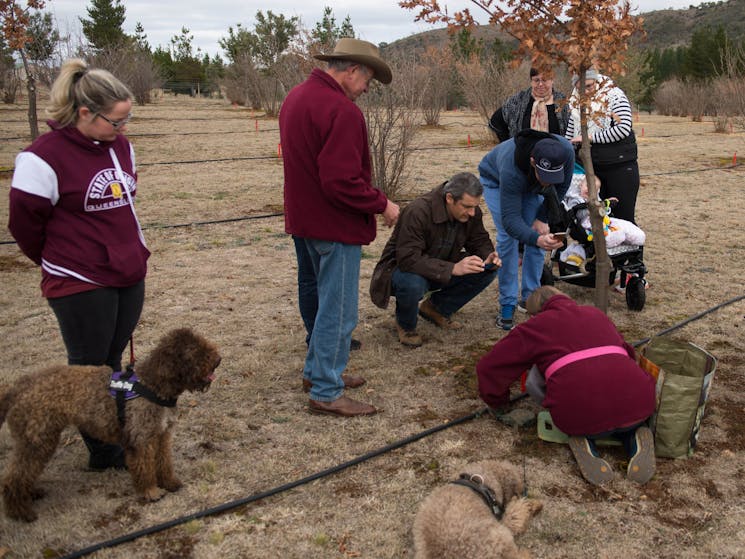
(408, 289)
(336, 270)
(307, 288)
(507, 249)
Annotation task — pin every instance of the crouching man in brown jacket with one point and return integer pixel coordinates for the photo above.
(439, 245)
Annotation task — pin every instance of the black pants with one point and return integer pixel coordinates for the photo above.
(96, 326)
(622, 182)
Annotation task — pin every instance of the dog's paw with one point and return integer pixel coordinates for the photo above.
(173, 484)
(534, 506)
(153, 494)
(518, 512)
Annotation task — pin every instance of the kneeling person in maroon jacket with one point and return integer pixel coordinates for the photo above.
(593, 385)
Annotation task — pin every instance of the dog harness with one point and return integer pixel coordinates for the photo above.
(124, 385)
(476, 483)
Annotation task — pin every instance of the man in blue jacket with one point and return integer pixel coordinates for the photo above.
(524, 178)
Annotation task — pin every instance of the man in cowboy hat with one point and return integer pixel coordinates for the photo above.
(330, 207)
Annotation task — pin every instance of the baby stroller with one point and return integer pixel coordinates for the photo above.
(626, 260)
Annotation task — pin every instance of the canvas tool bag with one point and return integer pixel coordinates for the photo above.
(684, 373)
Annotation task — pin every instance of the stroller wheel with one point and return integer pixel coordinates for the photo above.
(636, 293)
(547, 276)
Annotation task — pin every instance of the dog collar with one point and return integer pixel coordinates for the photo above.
(476, 483)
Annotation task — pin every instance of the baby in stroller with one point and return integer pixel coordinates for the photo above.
(617, 231)
(624, 242)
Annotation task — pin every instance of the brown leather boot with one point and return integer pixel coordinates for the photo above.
(428, 311)
(409, 338)
(343, 406)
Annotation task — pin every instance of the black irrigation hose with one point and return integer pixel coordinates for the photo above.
(213, 222)
(344, 465)
(194, 223)
(220, 160)
(692, 318)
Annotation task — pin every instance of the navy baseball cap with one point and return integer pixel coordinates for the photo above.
(549, 156)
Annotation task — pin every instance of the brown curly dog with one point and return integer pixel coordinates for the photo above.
(40, 405)
(455, 522)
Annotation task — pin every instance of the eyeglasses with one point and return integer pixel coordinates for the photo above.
(116, 124)
(540, 80)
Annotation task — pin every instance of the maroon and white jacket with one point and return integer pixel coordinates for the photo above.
(70, 213)
(593, 383)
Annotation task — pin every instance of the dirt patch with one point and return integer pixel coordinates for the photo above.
(222, 264)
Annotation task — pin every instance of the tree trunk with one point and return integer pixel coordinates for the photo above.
(596, 208)
(31, 88)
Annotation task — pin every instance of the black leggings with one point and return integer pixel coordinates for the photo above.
(96, 325)
(622, 182)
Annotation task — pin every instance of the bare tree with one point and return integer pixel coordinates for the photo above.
(730, 84)
(698, 99)
(14, 20)
(132, 66)
(434, 74)
(669, 99)
(391, 115)
(10, 81)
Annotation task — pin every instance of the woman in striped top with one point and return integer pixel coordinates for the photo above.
(613, 144)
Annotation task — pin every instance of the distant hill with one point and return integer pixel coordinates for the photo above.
(664, 28)
(674, 28)
(439, 37)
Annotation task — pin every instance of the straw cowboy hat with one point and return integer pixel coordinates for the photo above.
(361, 52)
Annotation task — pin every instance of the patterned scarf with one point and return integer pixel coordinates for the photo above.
(539, 113)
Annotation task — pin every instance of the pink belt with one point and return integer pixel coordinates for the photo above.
(583, 354)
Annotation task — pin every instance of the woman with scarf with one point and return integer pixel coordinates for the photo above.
(535, 107)
(612, 141)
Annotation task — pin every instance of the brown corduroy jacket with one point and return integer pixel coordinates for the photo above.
(415, 246)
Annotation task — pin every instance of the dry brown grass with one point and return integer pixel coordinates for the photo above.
(235, 283)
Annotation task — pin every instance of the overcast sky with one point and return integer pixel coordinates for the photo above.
(208, 21)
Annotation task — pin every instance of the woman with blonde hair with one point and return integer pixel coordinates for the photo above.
(72, 213)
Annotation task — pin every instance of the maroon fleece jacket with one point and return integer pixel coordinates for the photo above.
(586, 397)
(328, 194)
